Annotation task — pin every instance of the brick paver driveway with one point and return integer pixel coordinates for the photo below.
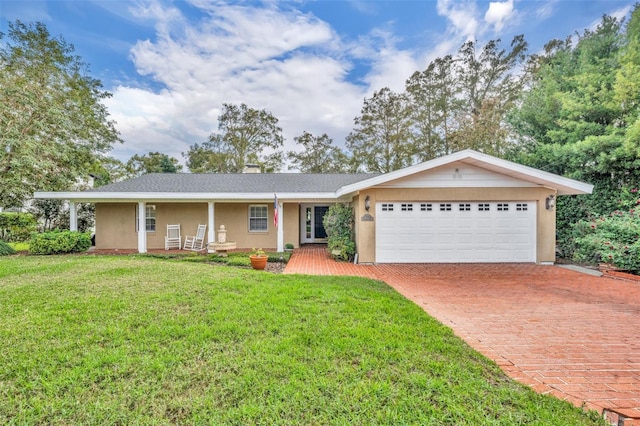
(562, 332)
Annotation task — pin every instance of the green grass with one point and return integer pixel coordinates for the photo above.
(134, 340)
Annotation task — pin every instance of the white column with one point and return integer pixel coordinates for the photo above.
(280, 227)
(212, 222)
(142, 227)
(73, 216)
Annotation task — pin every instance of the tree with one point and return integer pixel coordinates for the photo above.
(153, 162)
(246, 136)
(577, 119)
(489, 87)
(382, 141)
(318, 155)
(53, 124)
(434, 98)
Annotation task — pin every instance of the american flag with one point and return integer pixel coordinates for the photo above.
(275, 210)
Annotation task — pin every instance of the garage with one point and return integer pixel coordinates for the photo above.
(454, 232)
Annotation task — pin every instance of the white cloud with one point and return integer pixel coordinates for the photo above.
(286, 62)
(462, 15)
(499, 13)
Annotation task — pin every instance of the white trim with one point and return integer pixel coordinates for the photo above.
(280, 232)
(565, 186)
(182, 196)
(261, 231)
(73, 217)
(142, 225)
(211, 221)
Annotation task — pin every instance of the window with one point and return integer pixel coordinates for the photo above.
(483, 207)
(465, 207)
(387, 207)
(407, 207)
(150, 218)
(522, 207)
(426, 207)
(503, 207)
(258, 219)
(445, 207)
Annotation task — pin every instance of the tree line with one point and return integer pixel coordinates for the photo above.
(572, 109)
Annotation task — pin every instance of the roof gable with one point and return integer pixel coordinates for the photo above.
(477, 160)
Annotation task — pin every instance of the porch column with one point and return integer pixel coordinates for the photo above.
(73, 216)
(280, 226)
(212, 223)
(142, 227)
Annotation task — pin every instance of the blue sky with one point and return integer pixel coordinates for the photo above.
(171, 64)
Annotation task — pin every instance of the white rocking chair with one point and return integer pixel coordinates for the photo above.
(173, 238)
(196, 242)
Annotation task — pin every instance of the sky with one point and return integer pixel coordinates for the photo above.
(170, 65)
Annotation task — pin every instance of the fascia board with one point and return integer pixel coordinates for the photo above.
(564, 185)
(186, 196)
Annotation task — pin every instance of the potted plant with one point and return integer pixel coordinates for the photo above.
(288, 247)
(258, 259)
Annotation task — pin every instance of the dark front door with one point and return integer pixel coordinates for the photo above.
(319, 212)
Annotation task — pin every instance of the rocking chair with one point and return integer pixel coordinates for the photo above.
(173, 238)
(195, 242)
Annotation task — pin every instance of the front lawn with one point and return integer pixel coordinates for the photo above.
(134, 340)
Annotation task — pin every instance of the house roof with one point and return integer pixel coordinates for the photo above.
(300, 186)
(235, 186)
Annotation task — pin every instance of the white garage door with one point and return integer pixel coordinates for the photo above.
(451, 232)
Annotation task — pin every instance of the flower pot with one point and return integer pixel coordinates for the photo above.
(258, 262)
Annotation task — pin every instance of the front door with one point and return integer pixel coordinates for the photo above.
(312, 227)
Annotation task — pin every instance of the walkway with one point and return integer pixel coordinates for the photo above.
(562, 332)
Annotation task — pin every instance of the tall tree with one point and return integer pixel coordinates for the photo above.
(53, 124)
(153, 162)
(489, 86)
(382, 140)
(318, 155)
(245, 136)
(434, 95)
(578, 117)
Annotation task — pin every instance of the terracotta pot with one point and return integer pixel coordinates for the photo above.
(258, 262)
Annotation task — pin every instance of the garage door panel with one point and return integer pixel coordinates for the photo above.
(456, 232)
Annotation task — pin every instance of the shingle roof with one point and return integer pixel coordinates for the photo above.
(234, 183)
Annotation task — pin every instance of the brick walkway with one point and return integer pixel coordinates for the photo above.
(561, 332)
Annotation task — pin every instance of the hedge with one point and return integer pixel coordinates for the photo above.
(59, 242)
(17, 227)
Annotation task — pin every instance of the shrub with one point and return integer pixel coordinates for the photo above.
(6, 249)
(339, 223)
(614, 239)
(16, 227)
(58, 242)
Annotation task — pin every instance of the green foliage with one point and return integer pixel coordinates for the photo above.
(53, 123)
(245, 136)
(187, 343)
(59, 242)
(54, 214)
(614, 239)
(318, 155)
(153, 162)
(381, 141)
(6, 249)
(16, 227)
(579, 120)
(339, 225)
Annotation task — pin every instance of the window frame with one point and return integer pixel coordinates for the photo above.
(251, 218)
(149, 215)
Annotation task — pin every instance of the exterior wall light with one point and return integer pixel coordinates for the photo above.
(550, 202)
(367, 203)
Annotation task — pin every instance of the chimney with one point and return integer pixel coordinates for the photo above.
(251, 168)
